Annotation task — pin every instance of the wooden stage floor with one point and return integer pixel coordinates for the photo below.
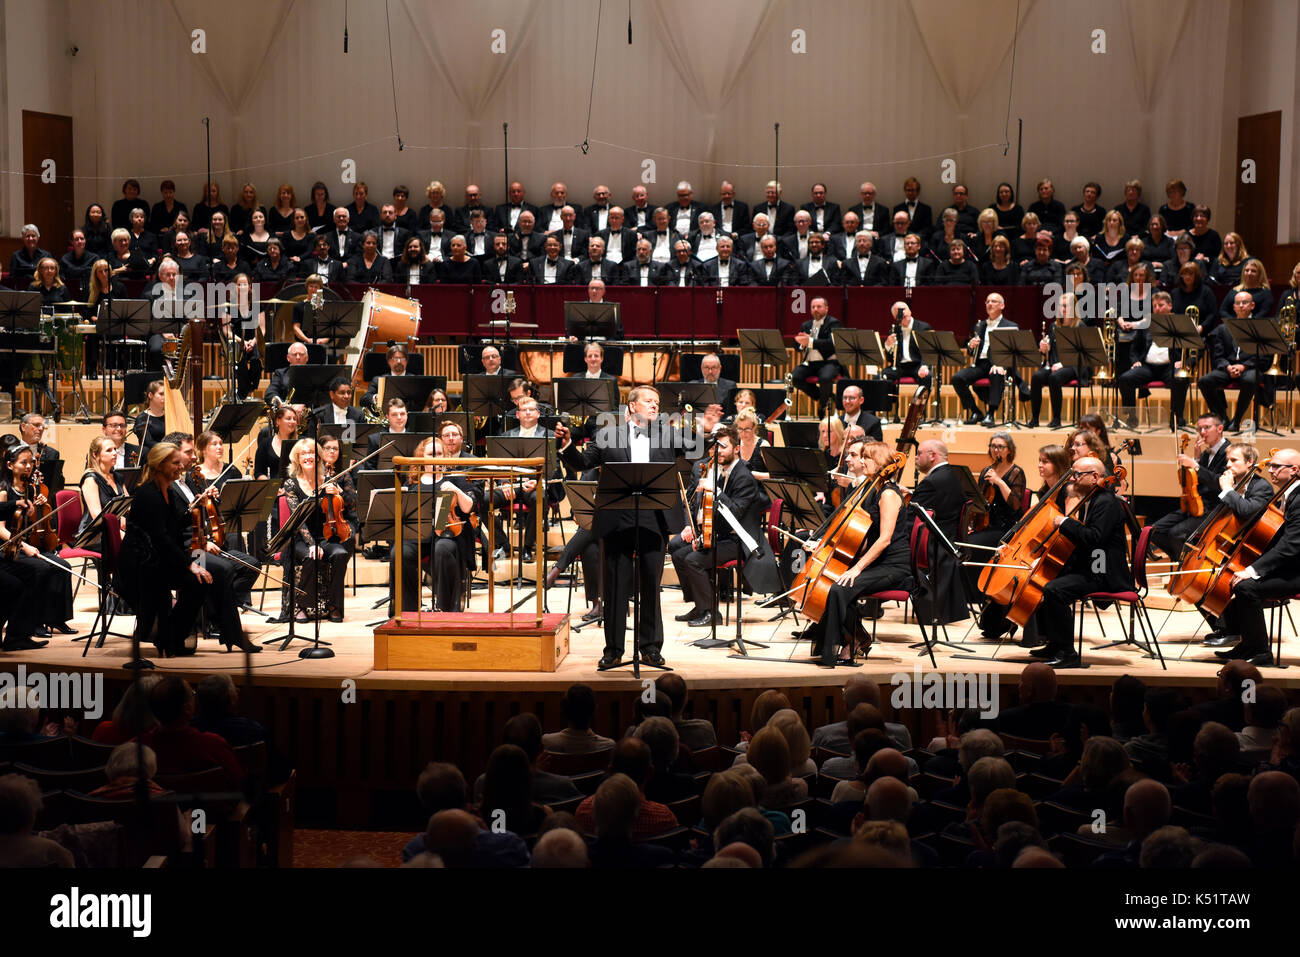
(1189, 663)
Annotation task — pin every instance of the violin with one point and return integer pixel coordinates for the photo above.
(337, 528)
(705, 539)
(1190, 500)
(456, 522)
(205, 509)
(44, 535)
(849, 526)
(1049, 557)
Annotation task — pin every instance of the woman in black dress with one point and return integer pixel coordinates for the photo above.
(310, 554)
(209, 204)
(99, 236)
(257, 238)
(320, 211)
(275, 444)
(99, 484)
(229, 265)
(274, 267)
(150, 425)
(240, 215)
(460, 267)
(1003, 485)
(280, 216)
(53, 593)
(369, 267)
(154, 561)
(298, 239)
(242, 331)
(998, 269)
(49, 285)
(142, 241)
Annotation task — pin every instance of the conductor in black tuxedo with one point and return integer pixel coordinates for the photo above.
(982, 367)
(816, 374)
(902, 339)
(641, 437)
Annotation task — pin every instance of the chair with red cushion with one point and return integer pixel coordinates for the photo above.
(68, 503)
(1137, 610)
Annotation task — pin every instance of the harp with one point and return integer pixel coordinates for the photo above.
(183, 381)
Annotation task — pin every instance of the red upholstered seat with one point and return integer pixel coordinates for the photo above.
(896, 594)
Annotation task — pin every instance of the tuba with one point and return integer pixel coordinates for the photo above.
(1287, 327)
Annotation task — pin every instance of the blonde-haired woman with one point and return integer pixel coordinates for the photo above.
(317, 567)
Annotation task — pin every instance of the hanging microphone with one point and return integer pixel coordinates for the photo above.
(345, 39)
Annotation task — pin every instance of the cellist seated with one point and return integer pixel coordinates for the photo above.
(883, 563)
(1092, 518)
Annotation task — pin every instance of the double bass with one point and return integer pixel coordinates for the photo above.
(848, 526)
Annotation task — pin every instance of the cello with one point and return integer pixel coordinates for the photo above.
(1189, 502)
(849, 525)
(1249, 544)
(1021, 546)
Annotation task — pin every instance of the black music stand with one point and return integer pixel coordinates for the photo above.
(1176, 330)
(234, 420)
(310, 384)
(459, 416)
(521, 447)
(245, 503)
(360, 436)
(798, 464)
(677, 396)
(592, 320)
(487, 396)
(764, 347)
(862, 346)
(125, 320)
(582, 506)
(281, 540)
(19, 312)
(419, 512)
(1011, 349)
(585, 398)
(399, 443)
(623, 486)
(1082, 348)
(414, 390)
(1258, 338)
(337, 319)
(800, 433)
(940, 350)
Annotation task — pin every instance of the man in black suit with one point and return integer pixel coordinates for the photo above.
(771, 269)
(473, 201)
(1171, 531)
(780, 214)
(596, 216)
(490, 357)
(852, 413)
(825, 214)
(941, 494)
(873, 216)
(593, 356)
(501, 267)
(795, 244)
(113, 425)
(711, 374)
(595, 265)
(661, 236)
(278, 390)
(573, 239)
(902, 338)
(527, 242)
(682, 270)
(640, 213)
(641, 438)
(548, 216)
(890, 244)
(1275, 574)
(619, 238)
(507, 214)
(739, 493)
(398, 358)
(913, 269)
(390, 232)
(339, 410)
(684, 216)
(840, 244)
(862, 267)
(818, 268)
(395, 417)
(1229, 364)
(1039, 715)
(552, 268)
(957, 270)
(478, 241)
(750, 246)
(163, 214)
(983, 367)
(436, 239)
(704, 241)
(919, 216)
(642, 270)
(726, 269)
(31, 429)
(967, 214)
(731, 215)
(816, 374)
(345, 242)
(527, 414)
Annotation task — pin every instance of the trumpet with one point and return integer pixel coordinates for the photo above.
(1109, 336)
(1047, 356)
(1193, 357)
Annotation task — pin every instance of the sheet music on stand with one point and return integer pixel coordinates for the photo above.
(582, 502)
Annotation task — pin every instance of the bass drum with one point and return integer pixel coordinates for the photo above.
(385, 319)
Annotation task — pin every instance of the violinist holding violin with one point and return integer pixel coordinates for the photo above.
(310, 546)
(28, 501)
(1273, 575)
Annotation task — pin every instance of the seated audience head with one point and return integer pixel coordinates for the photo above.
(560, 847)
(615, 807)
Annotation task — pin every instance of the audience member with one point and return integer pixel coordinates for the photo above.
(578, 708)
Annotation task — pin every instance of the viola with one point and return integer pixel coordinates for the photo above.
(45, 535)
(1190, 500)
(336, 528)
(206, 509)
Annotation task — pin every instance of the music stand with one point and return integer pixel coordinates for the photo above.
(764, 347)
(798, 498)
(1258, 337)
(418, 513)
(861, 345)
(19, 312)
(1011, 349)
(487, 396)
(678, 395)
(521, 447)
(91, 539)
(414, 390)
(622, 487)
(940, 351)
(129, 478)
(235, 420)
(1176, 330)
(400, 443)
(360, 436)
(798, 464)
(281, 540)
(245, 503)
(1082, 348)
(459, 416)
(800, 433)
(310, 384)
(582, 507)
(336, 319)
(586, 397)
(591, 320)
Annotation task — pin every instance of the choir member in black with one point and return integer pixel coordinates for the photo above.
(528, 413)
(818, 369)
(154, 561)
(1292, 296)
(997, 268)
(368, 266)
(1275, 574)
(98, 232)
(1157, 247)
(77, 261)
(1229, 364)
(99, 485)
(320, 263)
(121, 212)
(956, 269)
(1007, 210)
(310, 554)
(53, 592)
(126, 263)
(364, 214)
(194, 267)
(230, 264)
(1003, 486)
(319, 209)
(113, 426)
(255, 238)
(1053, 375)
(47, 282)
(913, 269)
(1209, 460)
(25, 259)
(150, 425)
(982, 366)
(884, 565)
(737, 490)
(1042, 269)
(210, 241)
(304, 313)
(210, 203)
(101, 287)
(1244, 504)
(908, 362)
(460, 267)
(233, 572)
(1190, 291)
(243, 331)
(1254, 280)
(412, 269)
(641, 438)
(1153, 363)
(1226, 268)
(164, 211)
(241, 214)
(281, 216)
(941, 493)
(275, 444)
(274, 266)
